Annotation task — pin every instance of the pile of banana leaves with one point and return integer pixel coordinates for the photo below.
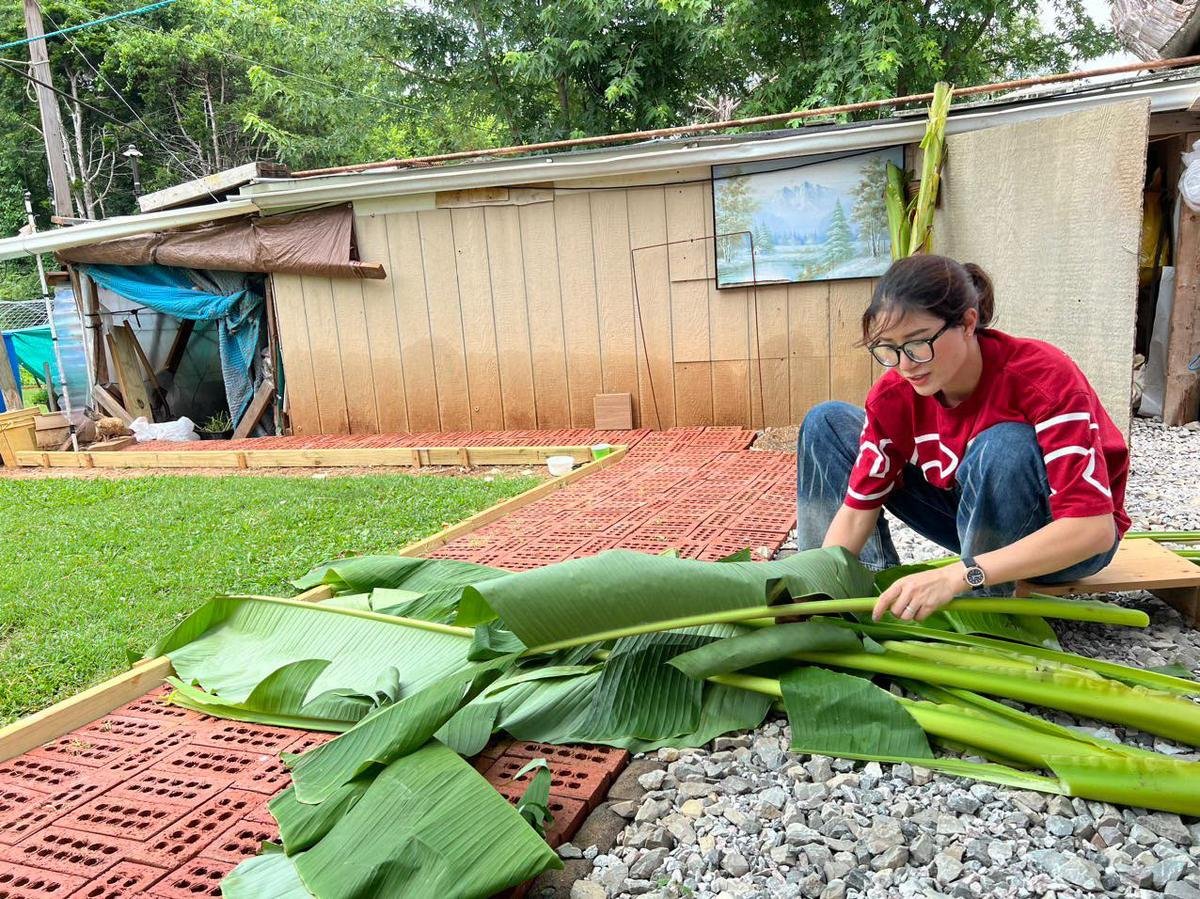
(417, 663)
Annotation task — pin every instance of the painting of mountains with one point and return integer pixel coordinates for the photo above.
(802, 219)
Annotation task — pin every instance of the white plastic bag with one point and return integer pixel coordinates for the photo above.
(179, 430)
(1189, 181)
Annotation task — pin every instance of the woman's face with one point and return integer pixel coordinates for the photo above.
(950, 350)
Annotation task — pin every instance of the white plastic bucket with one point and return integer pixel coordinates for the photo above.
(560, 465)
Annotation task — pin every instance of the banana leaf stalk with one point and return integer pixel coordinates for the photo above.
(1105, 773)
(1091, 696)
(1127, 674)
(1045, 607)
(895, 198)
(933, 145)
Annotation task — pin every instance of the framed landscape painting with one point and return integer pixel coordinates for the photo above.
(811, 218)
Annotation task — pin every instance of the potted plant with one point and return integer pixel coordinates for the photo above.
(218, 427)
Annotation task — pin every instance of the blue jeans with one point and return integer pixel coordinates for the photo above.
(1001, 494)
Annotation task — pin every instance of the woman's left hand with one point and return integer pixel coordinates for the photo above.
(919, 595)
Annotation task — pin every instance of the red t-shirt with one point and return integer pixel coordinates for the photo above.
(1023, 380)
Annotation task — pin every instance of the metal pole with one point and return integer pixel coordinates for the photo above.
(48, 300)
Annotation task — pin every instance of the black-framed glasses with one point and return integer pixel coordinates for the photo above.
(918, 351)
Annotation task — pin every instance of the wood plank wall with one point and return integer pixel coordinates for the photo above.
(514, 316)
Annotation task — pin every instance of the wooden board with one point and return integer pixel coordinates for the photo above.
(581, 325)
(688, 271)
(693, 394)
(445, 320)
(1060, 237)
(849, 364)
(547, 336)
(614, 294)
(358, 372)
(326, 355)
(259, 403)
(129, 374)
(379, 311)
(1139, 564)
(478, 318)
(8, 384)
(652, 306)
(515, 360)
(109, 404)
(1181, 398)
(357, 457)
(412, 321)
(613, 411)
(298, 379)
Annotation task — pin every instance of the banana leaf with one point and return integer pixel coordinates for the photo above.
(271, 874)
(362, 574)
(767, 645)
(427, 827)
(834, 714)
(386, 734)
(534, 804)
(619, 588)
(230, 646)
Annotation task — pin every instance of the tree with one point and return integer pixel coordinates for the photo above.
(735, 208)
(839, 244)
(870, 210)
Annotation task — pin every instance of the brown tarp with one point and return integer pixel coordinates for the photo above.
(300, 243)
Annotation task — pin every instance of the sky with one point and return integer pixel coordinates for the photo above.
(1100, 11)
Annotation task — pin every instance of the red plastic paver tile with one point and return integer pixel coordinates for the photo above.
(123, 816)
(194, 832)
(122, 881)
(201, 877)
(166, 788)
(24, 882)
(584, 782)
(569, 815)
(268, 777)
(210, 763)
(244, 737)
(606, 756)
(16, 801)
(128, 729)
(48, 807)
(85, 750)
(151, 706)
(43, 775)
(74, 852)
(152, 752)
(243, 840)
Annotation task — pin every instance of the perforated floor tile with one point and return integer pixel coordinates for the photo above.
(156, 800)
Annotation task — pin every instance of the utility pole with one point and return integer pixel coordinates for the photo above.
(52, 132)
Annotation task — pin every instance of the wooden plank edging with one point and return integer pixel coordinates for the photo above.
(338, 457)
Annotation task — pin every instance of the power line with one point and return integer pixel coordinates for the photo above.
(64, 31)
(83, 103)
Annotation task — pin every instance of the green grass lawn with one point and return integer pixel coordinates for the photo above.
(92, 568)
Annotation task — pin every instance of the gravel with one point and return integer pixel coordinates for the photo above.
(744, 818)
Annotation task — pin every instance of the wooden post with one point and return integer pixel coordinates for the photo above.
(129, 374)
(1181, 399)
(9, 388)
(52, 133)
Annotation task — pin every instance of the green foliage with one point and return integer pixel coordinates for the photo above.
(200, 87)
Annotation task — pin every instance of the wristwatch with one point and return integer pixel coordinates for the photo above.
(974, 575)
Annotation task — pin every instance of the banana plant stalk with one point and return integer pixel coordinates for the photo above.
(1092, 696)
(896, 200)
(933, 145)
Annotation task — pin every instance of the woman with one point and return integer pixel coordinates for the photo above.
(995, 447)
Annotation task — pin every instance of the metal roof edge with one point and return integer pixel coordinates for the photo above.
(120, 226)
(665, 155)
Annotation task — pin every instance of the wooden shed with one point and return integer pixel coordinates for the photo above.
(518, 290)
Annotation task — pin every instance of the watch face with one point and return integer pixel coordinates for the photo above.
(975, 577)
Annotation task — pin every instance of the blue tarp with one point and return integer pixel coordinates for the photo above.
(33, 350)
(170, 291)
